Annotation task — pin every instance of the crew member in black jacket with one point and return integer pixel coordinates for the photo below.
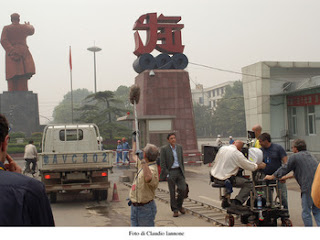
(23, 200)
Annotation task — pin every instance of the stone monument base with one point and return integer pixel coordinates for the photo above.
(22, 111)
(167, 93)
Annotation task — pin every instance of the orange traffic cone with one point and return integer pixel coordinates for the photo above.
(115, 196)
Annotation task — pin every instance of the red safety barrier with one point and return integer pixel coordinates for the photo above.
(192, 158)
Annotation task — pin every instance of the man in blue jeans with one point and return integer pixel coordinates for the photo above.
(125, 150)
(304, 165)
(145, 183)
(119, 152)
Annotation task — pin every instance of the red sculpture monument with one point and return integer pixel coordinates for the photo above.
(165, 29)
(165, 101)
(19, 62)
(168, 32)
(19, 105)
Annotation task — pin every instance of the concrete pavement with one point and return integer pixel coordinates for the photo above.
(198, 180)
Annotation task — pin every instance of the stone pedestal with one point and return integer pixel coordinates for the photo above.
(168, 93)
(22, 111)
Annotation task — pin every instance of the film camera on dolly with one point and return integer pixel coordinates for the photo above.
(261, 209)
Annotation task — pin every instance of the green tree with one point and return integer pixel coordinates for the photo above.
(122, 94)
(229, 117)
(62, 112)
(203, 120)
(101, 109)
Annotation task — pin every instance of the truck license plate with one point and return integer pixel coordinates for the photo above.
(76, 176)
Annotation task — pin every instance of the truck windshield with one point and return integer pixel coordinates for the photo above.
(70, 135)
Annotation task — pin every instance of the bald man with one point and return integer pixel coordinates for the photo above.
(226, 166)
(257, 129)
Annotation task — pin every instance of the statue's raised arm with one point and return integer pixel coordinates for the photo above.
(19, 62)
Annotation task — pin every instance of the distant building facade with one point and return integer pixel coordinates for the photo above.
(209, 96)
(284, 97)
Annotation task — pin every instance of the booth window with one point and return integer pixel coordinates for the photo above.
(311, 120)
(294, 120)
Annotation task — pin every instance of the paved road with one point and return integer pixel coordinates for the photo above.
(80, 210)
(201, 190)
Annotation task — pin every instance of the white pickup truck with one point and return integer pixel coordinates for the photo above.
(72, 160)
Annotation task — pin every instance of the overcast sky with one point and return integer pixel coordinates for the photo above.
(226, 34)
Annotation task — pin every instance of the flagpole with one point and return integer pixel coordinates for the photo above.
(70, 63)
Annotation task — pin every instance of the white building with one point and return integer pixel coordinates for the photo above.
(284, 98)
(211, 95)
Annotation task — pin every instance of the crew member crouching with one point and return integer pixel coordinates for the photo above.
(226, 166)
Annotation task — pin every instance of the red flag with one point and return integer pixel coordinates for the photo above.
(70, 59)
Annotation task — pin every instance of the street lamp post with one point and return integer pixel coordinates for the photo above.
(94, 49)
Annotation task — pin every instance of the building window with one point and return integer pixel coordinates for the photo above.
(209, 94)
(218, 92)
(222, 91)
(200, 100)
(213, 93)
(311, 119)
(294, 120)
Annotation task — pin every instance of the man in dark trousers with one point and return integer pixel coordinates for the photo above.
(304, 166)
(274, 156)
(30, 156)
(23, 200)
(172, 169)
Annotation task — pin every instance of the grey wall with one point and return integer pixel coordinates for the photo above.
(21, 110)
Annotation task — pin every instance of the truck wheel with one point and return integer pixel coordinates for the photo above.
(286, 223)
(53, 197)
(95, 194)
(103, 194)
(229, 220)
(100, 195)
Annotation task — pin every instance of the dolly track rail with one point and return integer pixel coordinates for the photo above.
(205, 211)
